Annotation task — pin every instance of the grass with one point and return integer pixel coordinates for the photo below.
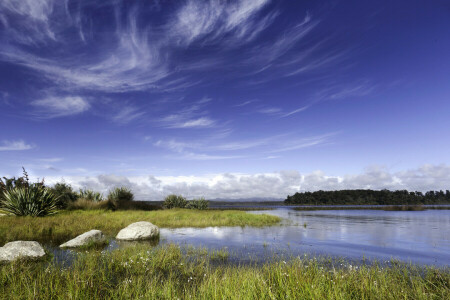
(68, 224)
(142, 272)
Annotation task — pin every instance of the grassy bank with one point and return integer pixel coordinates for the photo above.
(165, 273)
(68, 224)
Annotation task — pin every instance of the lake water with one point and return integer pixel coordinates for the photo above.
(419, 237)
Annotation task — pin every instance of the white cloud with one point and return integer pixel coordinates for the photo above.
(200, 122)
(53, 107)
(266, 185)
(128, 114)
(17, 145)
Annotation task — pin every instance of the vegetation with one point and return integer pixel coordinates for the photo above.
(90, 195)
(404, 208)
(35, 200)
(21, 198)
(174, 201)
(68, 224)
(65, 194)
(120, 197)
(200, 204)
(86, 204)
(178, 201)
(166, 273)
(369, 197)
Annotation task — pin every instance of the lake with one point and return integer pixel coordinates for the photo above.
(418, 237)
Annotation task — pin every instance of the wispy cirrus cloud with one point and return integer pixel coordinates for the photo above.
(263, 147)
(53, 107)
(127, 114)
(15, 145)
(140, 55)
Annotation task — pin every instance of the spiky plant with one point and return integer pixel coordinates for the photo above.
(175, 201)
(199, 203)
(90, 195)
(34, 200)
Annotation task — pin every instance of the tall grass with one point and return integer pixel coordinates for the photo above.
(166, 273)
(68, 224)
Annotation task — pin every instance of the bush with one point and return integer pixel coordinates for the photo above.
(90, 195)
(120, 197)
(65, 194)
(175, 201)
(35, 200)
(200, 204)
(85, 204)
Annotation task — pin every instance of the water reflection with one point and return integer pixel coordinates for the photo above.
(419, 237)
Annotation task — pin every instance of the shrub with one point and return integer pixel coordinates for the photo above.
(120, 197)
(34, 200)
(86, 204)
(65, 194)
(200, 204)
(174, 201)
(90, 195)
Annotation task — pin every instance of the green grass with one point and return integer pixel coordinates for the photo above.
(142, 272)
(67, 225)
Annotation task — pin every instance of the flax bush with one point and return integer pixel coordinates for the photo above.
(34, 200)
(175, 201)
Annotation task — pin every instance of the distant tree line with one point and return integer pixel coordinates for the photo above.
(369, 197)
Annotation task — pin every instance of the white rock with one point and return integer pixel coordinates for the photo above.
(2, 215)
(21, 249)
(138, 231)
(93, 236)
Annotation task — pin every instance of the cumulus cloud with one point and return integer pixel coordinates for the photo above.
(53, 107)
(276, 185)
(17, 145)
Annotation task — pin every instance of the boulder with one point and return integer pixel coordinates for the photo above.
(21, 249)
(138, 231)
(92, 236)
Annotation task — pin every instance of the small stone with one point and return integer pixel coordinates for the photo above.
(138, 231)
(92, 236)
(21, 249)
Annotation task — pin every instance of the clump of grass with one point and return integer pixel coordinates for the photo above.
(69, 224)
(174, 201)
(219, 255)
(167, 273)
(200, 204)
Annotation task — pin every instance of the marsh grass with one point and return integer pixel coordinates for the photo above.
(66, 225)
(404, 208)
(168, 273)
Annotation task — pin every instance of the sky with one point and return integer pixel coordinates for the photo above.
(226, 99)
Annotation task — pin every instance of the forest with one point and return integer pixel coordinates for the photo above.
(369, 197)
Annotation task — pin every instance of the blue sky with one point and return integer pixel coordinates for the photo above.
(226, 99)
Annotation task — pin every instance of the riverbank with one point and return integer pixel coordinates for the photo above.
(169, 273)
(68, 224)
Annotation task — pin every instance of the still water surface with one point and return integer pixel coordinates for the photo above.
(419, 237)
